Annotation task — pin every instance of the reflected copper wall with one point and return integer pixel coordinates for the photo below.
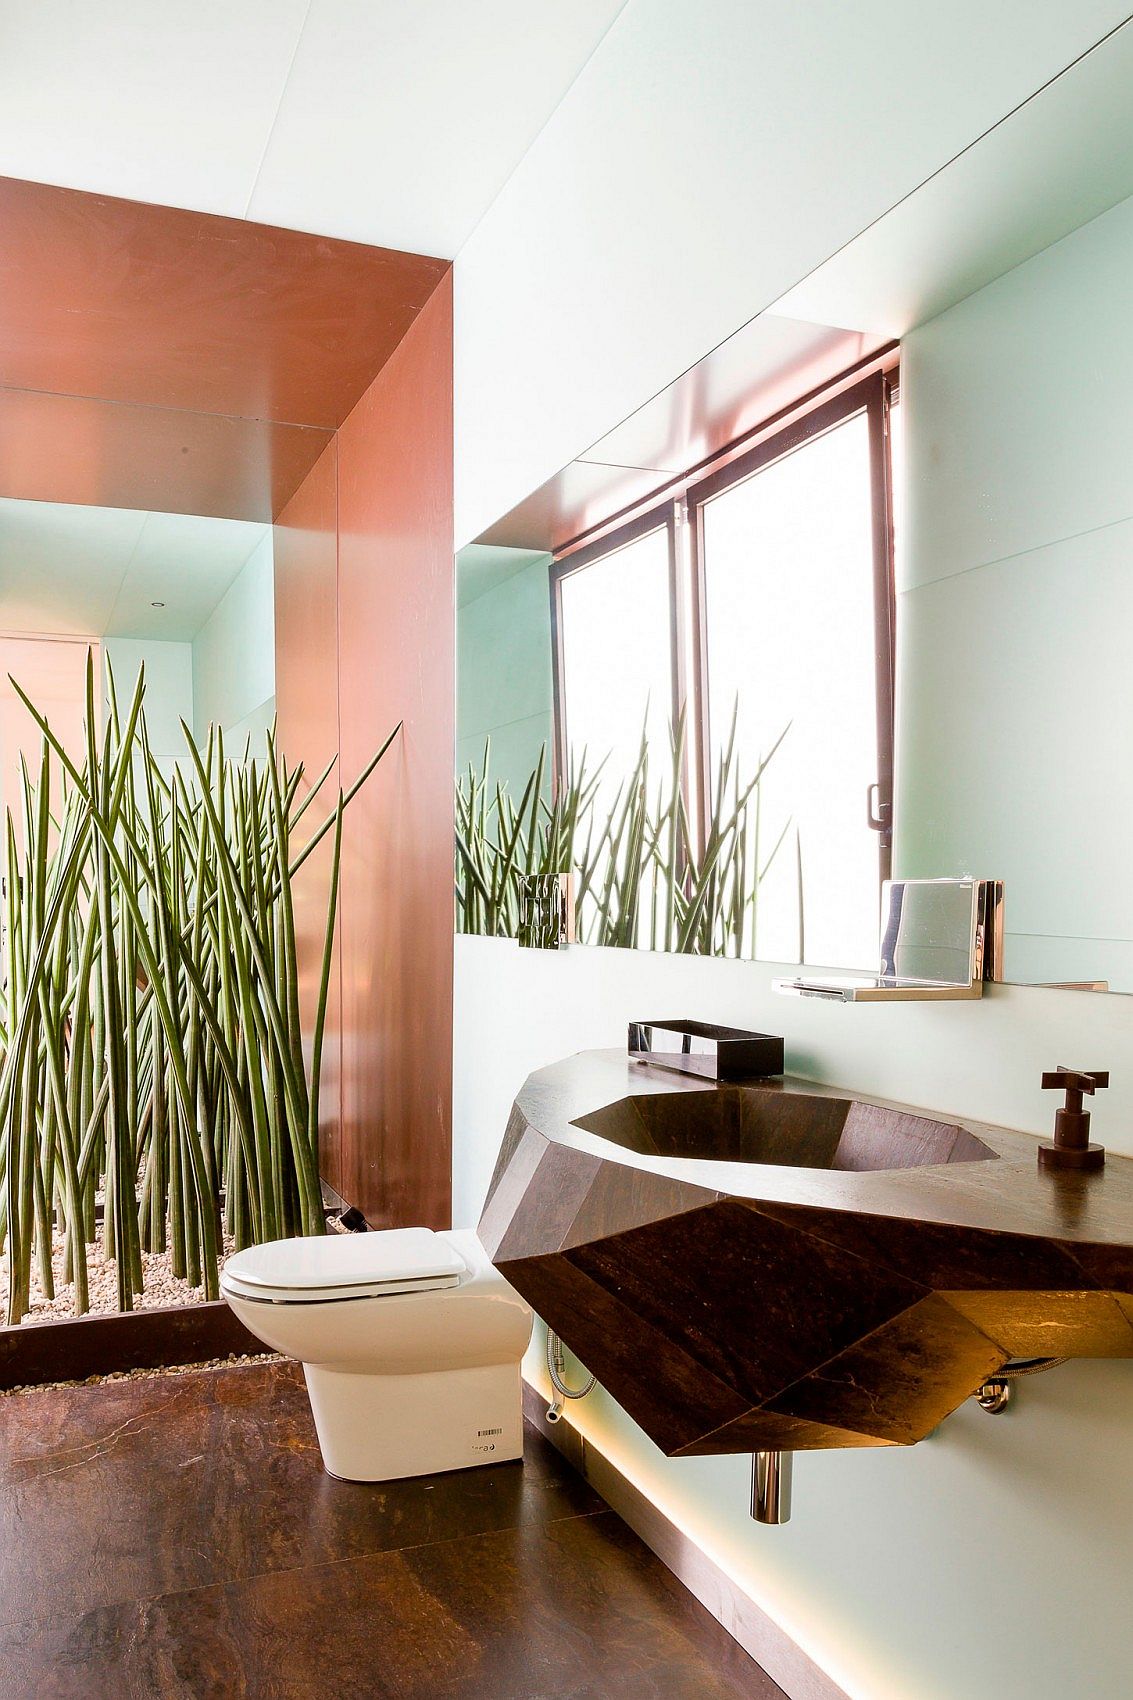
(106, 454)
(306, 695)
(395, 568)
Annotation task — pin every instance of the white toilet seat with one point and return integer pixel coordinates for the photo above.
(327, 1269)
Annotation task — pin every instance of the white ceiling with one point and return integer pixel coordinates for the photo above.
(383, 121)
(1052, 165)
(96, 572)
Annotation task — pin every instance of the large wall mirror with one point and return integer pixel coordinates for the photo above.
(692, 642)
(705, 695)
(143, 537)
(163, 570)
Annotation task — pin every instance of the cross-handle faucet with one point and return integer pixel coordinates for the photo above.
(1071, 1148)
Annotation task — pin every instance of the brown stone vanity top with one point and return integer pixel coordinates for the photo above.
(787, 1264)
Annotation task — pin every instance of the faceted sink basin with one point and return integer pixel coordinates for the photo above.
(767, 1124)
(789, 1265)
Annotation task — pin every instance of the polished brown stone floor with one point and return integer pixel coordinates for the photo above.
(178, 1537)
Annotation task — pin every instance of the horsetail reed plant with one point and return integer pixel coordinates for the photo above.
(643, 875)
(151, 1046)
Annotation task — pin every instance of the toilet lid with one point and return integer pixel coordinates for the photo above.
(394, 1260)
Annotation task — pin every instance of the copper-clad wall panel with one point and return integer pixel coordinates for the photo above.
(396, 663)
(306, 694)
(150, 304)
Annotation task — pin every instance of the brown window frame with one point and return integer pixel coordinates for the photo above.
(680, 510)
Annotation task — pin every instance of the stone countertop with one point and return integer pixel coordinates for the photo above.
(1005, 1191)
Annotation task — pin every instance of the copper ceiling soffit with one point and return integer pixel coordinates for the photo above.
(155, 305)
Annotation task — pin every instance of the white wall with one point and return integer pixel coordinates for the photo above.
(169, 690)
(234, 656)
(1015, 605)
(991, 1559)
(695, 171)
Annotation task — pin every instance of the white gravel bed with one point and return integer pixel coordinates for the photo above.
(162, 1287)
(238, 1361)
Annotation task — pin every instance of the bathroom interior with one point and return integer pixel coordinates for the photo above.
(566, 1109)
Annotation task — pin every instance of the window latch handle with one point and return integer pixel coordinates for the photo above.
(877, 817)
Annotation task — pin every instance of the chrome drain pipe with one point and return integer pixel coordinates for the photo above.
(771, 1474)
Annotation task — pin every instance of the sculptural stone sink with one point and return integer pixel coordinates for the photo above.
(789, 1266)
(765, 1124)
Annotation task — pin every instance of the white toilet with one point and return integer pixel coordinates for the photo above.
(410, 1342)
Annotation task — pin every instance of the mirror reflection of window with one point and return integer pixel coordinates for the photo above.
(788, 585)
(616, 646)
(754, 604)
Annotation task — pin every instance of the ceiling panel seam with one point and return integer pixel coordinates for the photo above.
(126, 573)
(598, 45)
(259, 171)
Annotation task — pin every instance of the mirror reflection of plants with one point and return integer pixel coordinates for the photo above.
(151, 1054)
(643, 875)
(498, 841)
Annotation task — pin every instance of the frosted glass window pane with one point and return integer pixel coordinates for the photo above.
(617, 660)
(788, 564)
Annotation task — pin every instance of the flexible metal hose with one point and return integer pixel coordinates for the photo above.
(556, 1369)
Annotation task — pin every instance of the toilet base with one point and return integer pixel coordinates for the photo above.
(381, 1428)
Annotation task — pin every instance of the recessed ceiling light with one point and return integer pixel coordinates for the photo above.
(157, 604)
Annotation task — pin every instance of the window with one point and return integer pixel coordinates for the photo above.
(758, 602)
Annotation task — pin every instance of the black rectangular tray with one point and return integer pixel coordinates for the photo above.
(698, 1047)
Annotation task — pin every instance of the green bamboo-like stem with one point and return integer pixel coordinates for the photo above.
(324, 984)
(151, 1041)
(251, 952)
